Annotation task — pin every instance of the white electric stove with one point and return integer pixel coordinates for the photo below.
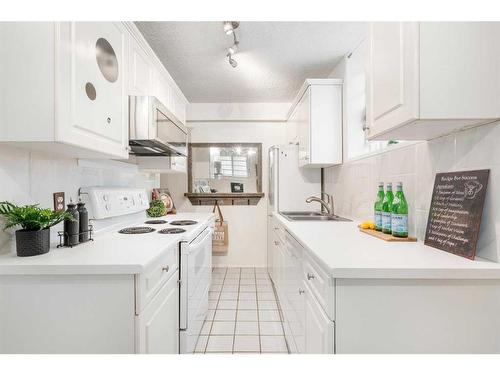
(120, 213)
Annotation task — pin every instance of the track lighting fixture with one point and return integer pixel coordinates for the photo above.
(229, 28)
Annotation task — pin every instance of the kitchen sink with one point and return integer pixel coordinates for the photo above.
(311, 216)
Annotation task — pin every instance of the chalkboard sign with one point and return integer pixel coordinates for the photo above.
(455, 213)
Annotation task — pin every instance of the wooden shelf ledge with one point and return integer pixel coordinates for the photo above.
(224, 199)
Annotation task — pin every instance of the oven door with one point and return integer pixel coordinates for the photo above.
(196, 264)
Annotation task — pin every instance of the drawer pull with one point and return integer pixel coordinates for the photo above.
(310, 276)
(276, 228)
(301, 291)
(166, 268)
(276, 243)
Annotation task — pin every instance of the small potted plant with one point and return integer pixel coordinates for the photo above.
(34, 237)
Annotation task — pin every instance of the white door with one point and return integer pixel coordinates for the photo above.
(159, 322)
(392, 75)
(319, 329)
(92, 80)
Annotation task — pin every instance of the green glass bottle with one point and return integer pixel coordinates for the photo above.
(399, 217)
(378, 206)
(387, 209)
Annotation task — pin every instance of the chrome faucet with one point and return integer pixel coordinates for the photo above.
(326, 202)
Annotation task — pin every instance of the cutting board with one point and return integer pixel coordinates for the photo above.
(386, 237)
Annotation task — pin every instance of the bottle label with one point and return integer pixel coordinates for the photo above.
(386, 221)
(399, 223)
(378, 220)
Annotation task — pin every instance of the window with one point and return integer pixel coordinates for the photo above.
(234, 166)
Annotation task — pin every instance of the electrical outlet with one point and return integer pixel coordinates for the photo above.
(59, 202)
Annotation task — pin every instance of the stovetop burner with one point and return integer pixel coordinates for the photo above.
(156, 221)
(172, 231)
(136, 230)
(183, 222)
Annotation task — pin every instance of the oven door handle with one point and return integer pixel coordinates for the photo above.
(201, 237)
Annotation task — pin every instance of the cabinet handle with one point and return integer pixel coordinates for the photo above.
(310, 276)
(276, 228)
(301, 291)
(108, 120)
(165, 269)
(276, 243)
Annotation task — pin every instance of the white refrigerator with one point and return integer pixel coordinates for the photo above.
(289, 185)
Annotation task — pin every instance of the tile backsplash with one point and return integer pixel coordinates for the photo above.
(31, 177)
(354, 184)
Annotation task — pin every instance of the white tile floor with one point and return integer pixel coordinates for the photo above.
(243, 314)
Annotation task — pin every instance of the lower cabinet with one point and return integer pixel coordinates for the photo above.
(158, 324)
(308, 329)
(320, 330)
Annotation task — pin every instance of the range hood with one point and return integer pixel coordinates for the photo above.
(154, 130)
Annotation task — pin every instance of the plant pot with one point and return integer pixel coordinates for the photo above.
(32, 242)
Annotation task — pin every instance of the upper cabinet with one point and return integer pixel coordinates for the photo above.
(315, 122)
(65, 86)
(425, 80)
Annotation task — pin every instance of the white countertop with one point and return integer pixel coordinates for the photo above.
(348, 253)
(109, 253)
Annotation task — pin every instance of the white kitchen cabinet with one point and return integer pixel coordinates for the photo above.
(319, 329)
(316, 119)
(141, 70)
(101, 313)
(294, 291)
(304, 291)
(159, 322)
(162, 164)
(64, 88)
(425, 80)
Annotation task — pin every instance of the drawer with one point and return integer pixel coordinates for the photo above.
(151, 280)
(278, 230)
(321, 285)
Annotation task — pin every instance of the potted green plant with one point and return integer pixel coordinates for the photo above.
(34, 237)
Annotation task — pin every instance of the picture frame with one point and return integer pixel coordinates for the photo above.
(237, 187)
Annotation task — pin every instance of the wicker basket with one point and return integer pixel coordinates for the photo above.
(32, 242)
(220, 239)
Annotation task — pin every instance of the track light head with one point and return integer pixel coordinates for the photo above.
(232, 61)
(234, 48)
(229, 26)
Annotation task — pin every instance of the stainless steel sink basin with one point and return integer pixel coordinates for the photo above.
(311, 216)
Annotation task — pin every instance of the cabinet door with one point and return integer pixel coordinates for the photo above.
(161, 88)
(92, 80)
(392, 75)
(303, 128)
(270, 247)
(159, 322)
(140, 70)
(319, 330)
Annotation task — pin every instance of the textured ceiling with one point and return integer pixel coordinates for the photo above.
(274, 58)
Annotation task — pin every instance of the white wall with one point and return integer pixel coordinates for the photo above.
(247, 224)
(354, 184)
(31, 177)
